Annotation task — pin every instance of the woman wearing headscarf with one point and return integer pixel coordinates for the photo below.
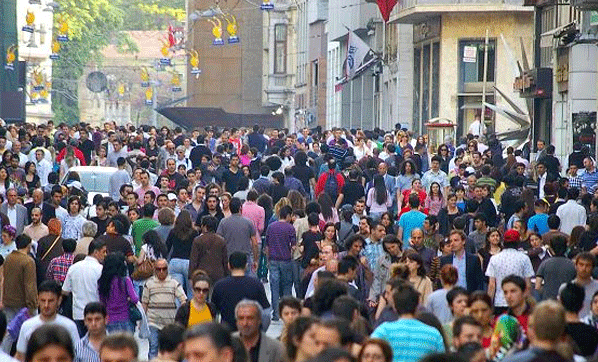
(49, 247)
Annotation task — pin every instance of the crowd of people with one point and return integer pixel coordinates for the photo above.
(365, 245)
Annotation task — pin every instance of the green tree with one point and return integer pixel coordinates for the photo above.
(93, 24)
(152, 14)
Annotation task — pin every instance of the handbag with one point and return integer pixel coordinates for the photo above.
(144, 270)
(134, 313)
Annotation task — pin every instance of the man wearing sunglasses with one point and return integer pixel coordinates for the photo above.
(159, 297)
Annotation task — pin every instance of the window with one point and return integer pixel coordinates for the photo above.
(280, 49)
(426, 80)
(471, 60)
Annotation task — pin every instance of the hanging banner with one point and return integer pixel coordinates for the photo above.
(386, 7)
(357, 50)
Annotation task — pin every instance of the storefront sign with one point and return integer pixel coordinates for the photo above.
(584, 130)
(470, 54)
(535, 83)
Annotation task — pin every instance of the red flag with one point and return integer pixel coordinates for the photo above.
(386, 7)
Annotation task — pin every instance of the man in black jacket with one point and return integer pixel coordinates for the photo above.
(467, 264)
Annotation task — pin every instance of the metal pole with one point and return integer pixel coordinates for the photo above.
(154, 106)
(483, 117)
(350, 108)
(361, 102)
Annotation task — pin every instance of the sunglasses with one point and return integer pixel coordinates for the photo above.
(202, 290)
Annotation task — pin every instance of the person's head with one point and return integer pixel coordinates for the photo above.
(333, 333)
(347, 267)
(50, 342)
(405, 299)
(201, 284)
(466, 329)
(354, 245)
(375, 350)
(23, 242)
(458, 299)
(413, 201)
(11, 196)
(547, 322)
(161, 268)
(237, 261)
(392, 245)
(511, 238)
(588, 163)
(170, 340)
(457, 240)
(118, 347)
(114, 267)
(208, 342)
(301, 338)
(572, 297)
(289, 308)
(94, 318)
(365, 223)
(417, 237)
(97, 249)
(49, 296)
(346, 307)
(558, 244)
(513, 287)
(328, 252)
(248, 314)
(481, 308)
(415, 263)
(449, 275)
(584, 264)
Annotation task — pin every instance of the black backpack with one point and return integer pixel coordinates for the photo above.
(331, 186)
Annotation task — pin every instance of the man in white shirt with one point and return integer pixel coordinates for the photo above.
(43, 167)
(16, 149)
(477, 127)
(48, 298)
(82, 281)
(571, 213)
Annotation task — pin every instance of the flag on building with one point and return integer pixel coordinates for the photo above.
(386, 7)
(357, 52)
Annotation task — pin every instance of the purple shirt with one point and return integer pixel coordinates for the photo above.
(280, 237)
(117, 303)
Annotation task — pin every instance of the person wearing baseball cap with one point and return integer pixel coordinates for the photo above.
(508, 262)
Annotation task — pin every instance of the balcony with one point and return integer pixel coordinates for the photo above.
(279, 88)
(417, 11)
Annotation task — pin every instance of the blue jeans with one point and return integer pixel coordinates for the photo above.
(179, 270)
(153, 342)
(281, 282)
(297, 272)
(120, 326)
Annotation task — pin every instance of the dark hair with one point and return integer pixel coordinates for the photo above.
(114, 267)
(285, 211)
(461, 321)
(326, 205)
(95, 307)
(342, 326)
(449, 274)
(312, 207)
(235, 205)
(170, 337)
(406, 299)
(345, 307)
(237, 260)
(119, 342)
(251, 195)
(558, 244)
(347, 263)
(480, 296)
(352, 239)
(380, 191)
(291, 302)
(295, 332)
(413, 201)
(587, 256)
(414, 256)
(148, 210)
(22, 241)
(50, 286)
(454, 293)
(49, 335)
(69, 245)
(3, 323)
(210, 222)
(96, 244)
(328, 290)
(154, 242)
(515, 279)
(183, 226)
(572, 297)
(313, 219)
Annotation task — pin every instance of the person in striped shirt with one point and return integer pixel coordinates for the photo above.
(94, 317)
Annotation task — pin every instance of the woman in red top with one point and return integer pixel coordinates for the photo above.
(416, 187)
(480, 307)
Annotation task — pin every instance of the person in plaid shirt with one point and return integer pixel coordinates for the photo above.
(60, 265)
(574, 179)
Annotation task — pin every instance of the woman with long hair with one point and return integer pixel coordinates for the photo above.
(116, 290)
(492, 246)
(329, 213)
(296, 199)
(537, 252)
(100, 159)
(378, 199)
(573, 245)
(330, 234)
(448, 214)
(179, 243)
(152, 151)
(265, 201)
(301, 343)
(386, 221)
(481, 309)
(375, 349)
(198, 309)
(416, 188)
(153, 248)
(407, 173)
(32, 180)
(435, 200)
(5, 182)
(225, 203)
(417, 275)
(72, 224)
(443, 153)
(284, 201)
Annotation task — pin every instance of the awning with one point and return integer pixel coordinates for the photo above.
(199, 117)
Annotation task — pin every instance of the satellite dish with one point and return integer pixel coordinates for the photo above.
(96, 82)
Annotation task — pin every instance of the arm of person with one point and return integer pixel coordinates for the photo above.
(528, 285)
(339, 201)
(492, 287)
(141, 257)
(400, 233)
(539, 282)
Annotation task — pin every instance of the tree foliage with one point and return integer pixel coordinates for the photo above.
(153, 14)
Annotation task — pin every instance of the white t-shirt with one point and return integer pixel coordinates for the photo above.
(32, 324)
(82, 281)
